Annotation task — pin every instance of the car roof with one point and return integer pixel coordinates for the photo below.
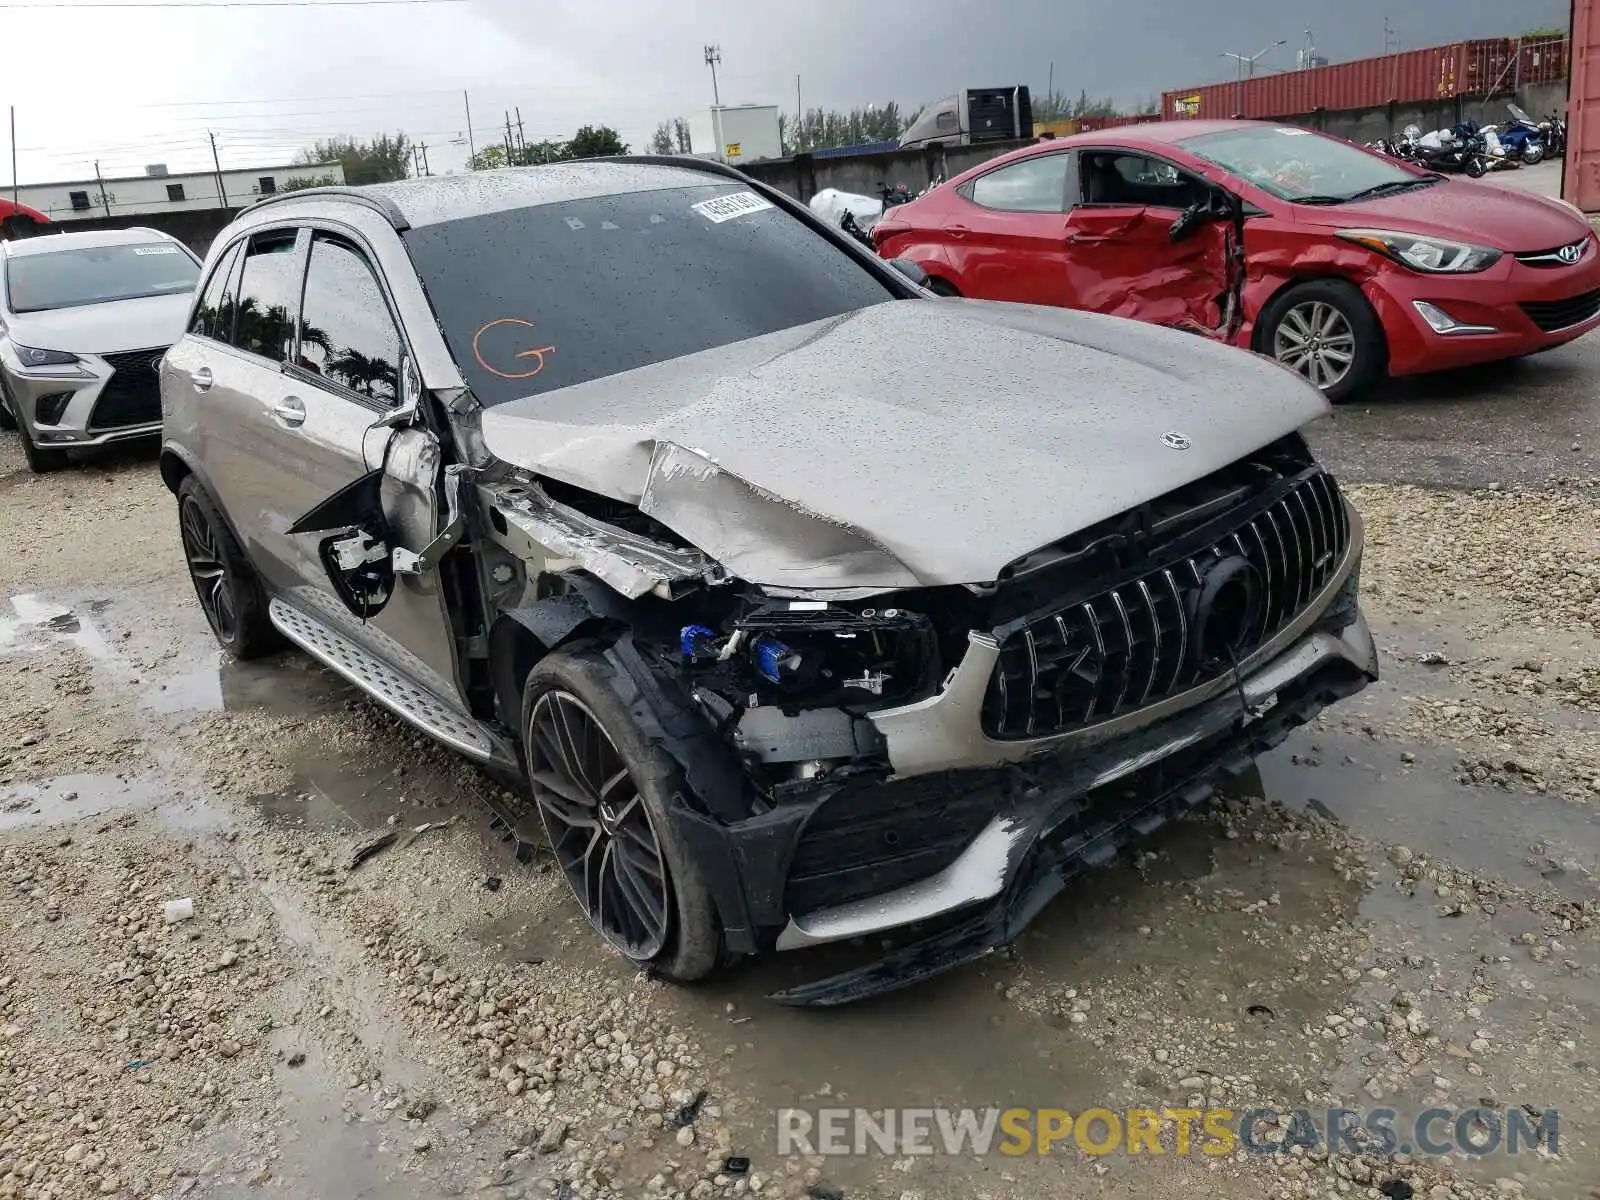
(1149, 136)
(413, 203)
(88, 239)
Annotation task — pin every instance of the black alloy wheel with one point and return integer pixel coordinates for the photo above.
(230, 596)
(599, 826)
(206, 569)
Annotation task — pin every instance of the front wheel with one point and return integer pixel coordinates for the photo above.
(605, 793)
(1327, 332)
(1533, 154)
(1477, 168)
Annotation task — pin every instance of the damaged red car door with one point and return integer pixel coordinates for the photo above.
(1121, 256)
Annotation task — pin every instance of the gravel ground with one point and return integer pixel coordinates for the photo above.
(1399, 908)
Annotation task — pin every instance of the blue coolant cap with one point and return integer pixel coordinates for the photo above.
(689, 635)
(771, 657)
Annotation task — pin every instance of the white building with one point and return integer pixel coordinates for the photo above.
(158, 191)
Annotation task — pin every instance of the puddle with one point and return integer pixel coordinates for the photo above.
(337, 794)
(288, 684)
(34, 620)
(69, 798)
(1366, 787)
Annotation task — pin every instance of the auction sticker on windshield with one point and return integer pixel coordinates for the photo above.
(143, 250)
(726, 208)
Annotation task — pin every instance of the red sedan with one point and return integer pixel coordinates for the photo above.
(1337, 261)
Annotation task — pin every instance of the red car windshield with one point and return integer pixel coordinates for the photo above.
(1301, 166)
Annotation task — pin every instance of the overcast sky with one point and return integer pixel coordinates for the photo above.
(145, 85)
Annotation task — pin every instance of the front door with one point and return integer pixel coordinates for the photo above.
(1121, 257)
(323, 432)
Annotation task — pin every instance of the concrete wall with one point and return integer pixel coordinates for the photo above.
(145, 195)
(1370, 124)
(195, 229)
(804, 176)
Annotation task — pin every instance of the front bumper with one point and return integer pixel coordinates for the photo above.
(1491, 301)
(977, 834)
(79, 405)
(1025, 857)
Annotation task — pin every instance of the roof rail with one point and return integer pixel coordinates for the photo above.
(376, 201)
(709, 165)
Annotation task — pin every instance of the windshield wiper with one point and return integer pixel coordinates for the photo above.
(1394, 187)
(1319, 199)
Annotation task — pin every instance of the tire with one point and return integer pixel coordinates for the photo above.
(41, 460)
(226, 585)
(1533, 154)
(7, 421)
(1476, 167)
(942, 287)
(1360, 331)
(683, 941)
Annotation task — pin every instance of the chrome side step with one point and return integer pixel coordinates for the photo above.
(429, 713)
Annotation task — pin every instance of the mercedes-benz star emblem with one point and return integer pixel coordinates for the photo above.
(1174, 440)
(1570, 254)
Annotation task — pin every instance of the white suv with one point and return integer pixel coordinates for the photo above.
(84, 321)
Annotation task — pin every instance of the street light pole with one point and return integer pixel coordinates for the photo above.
(713, 57)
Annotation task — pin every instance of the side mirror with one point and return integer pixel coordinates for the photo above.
(1216, 206)
(910, 270)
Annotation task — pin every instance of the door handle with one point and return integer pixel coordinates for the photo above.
(957, 231)
(291, 410)
(201, 377)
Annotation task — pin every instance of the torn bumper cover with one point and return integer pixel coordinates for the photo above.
(1077, 812)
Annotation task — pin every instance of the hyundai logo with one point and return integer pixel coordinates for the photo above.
(1570, 254)
(1174, 440)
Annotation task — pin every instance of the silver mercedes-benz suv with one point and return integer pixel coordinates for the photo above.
(804, 604)
(84, 321)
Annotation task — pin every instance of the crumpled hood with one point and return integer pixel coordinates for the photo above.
(147, 323)
(913, 442)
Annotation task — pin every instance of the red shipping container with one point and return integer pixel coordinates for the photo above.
(1414, 76)
(1580, 180)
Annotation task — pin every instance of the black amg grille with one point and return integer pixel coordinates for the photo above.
(132, 396)
(1551, 315)
(1165, 630)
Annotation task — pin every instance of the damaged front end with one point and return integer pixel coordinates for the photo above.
(936, 761)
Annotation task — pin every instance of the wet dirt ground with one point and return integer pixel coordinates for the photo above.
(1397, 908)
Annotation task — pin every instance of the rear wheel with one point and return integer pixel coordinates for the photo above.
(1326, 331)
(229, 593)
(1477, 167)
(603, 790)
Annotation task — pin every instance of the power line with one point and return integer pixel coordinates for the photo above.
(109, 4)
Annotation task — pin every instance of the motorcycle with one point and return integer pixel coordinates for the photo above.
(857, 214)
(1555, 136)
(1448, 150)
(1523, 137)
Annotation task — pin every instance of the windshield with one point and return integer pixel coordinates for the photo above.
(1298, 165)
(97, 275)
(540, 298)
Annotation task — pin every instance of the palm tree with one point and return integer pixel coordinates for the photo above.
(360, 372)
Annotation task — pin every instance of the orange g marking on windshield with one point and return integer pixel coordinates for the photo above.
(537, 355)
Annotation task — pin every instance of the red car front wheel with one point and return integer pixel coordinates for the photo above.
(1326, 331)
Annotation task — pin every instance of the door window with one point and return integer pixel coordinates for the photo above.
(269, 295)
(213, 315)
(347, 333)
(1110, 177)
(1037, 185)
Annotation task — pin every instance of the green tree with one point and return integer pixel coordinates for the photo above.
(382, 159)
(594, 141)
(297, 183)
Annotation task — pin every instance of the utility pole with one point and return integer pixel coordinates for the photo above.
(466, 103)
(1247, 62)
(423, 147)
(14, 199)
(509, 159)
(522, 143)
(222, 190)
(799, 115)
(105, 201)
(1050, 91)
(713, 57)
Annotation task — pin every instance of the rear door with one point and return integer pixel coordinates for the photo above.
(1121, 258)
(1006, 235)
